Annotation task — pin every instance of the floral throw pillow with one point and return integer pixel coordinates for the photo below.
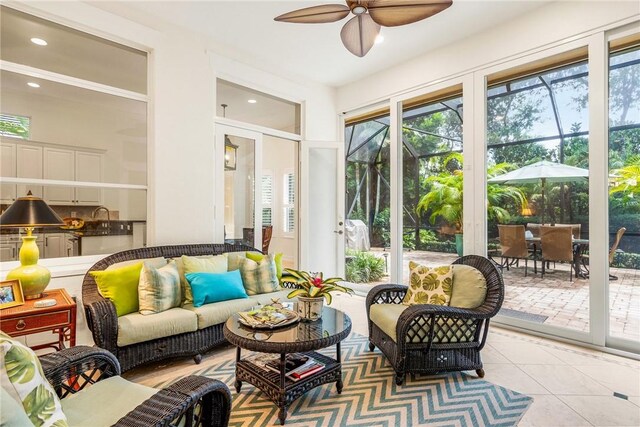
(429, 285)
(22, 377)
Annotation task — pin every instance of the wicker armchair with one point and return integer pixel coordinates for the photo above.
(192, 401)
(434, 338)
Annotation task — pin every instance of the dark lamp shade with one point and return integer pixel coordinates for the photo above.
(29, 211)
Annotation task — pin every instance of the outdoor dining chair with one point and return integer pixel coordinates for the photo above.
(513, 246)
(557, 246)
(575, 229)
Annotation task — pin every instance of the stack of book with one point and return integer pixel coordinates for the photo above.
(297, 366)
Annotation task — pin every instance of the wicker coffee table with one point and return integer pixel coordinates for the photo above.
(303, 337)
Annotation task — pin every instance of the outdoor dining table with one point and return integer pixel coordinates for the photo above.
(579, 246)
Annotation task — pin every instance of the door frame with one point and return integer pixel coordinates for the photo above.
(220, 132)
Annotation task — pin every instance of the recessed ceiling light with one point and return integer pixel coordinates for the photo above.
(379, 39)
(252, 101)
(39, 42)
(33, 84)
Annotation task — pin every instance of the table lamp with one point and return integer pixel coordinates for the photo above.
(30, 212)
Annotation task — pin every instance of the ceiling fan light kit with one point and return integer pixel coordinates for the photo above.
(359, 33)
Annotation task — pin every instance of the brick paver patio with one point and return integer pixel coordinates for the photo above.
(563, 303)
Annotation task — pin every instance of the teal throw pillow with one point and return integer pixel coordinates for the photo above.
(215, 287)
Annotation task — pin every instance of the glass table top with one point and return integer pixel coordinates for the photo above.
(333, 322)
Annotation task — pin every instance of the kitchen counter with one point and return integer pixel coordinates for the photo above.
(99, 228)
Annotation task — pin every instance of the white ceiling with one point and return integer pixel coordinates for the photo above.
(246, 31)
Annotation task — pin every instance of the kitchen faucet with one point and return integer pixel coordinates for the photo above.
(99, 208)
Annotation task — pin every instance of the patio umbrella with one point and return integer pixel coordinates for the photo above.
(544, 171)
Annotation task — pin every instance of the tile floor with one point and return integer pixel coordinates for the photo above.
(571, 385)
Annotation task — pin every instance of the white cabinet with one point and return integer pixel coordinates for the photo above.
(55, 245)
(70, 165)
(29, 165)
(10, 247)
(59, 164)
(8, 251)
(8, 169)
(88, 168)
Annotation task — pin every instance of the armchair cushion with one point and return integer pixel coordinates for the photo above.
(469, 287)
(386, 316)
(135, 327)
(266, 298)
(105, 402)
(429, 285)
(22, 378)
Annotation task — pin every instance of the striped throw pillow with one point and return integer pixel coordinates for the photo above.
(159, 288)
(259, 277)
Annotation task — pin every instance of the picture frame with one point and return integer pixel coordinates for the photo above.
(11, 294)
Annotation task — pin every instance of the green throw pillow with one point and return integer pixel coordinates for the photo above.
(277, 258)
(469, 287)
(22, 378)
(159, 288)
(120, 286)
(259, 277)
(429, 285)
(198, 264)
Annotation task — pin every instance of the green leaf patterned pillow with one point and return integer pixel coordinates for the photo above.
(21, 375)
(429, 285)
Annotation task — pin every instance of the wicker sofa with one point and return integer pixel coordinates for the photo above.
(178, 332)
(434, 338)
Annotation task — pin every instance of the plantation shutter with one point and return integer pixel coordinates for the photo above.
(267, 200)
(289, 203)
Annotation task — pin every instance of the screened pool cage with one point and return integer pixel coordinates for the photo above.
(536, 117)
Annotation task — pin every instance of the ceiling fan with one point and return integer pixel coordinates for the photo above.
(360, 32)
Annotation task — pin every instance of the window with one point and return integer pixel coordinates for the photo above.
(289, 202)
(14, 126)
(267, 198)
(90, 140)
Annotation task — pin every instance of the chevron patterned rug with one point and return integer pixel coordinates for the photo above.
(371, 398)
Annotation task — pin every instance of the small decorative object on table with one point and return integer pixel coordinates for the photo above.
(11, 294)
(268, 317)
(312, 291)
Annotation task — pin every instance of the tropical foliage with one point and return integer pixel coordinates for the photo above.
(444, 199)
(364, 267)
(315, 286)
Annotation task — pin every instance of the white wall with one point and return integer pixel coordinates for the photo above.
(549, 24)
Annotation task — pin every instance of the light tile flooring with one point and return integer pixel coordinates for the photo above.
(571, 385)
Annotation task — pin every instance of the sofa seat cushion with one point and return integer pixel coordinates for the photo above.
(386, 316)
(267, 298)
(105, 402)
(135, 327)
(218, 312)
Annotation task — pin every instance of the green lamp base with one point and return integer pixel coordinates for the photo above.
(33, 277)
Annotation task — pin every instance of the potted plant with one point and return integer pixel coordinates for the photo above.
(312, 291)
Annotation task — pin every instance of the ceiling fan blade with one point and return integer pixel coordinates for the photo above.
(359, 34)
(393, 13)
(316, 14)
